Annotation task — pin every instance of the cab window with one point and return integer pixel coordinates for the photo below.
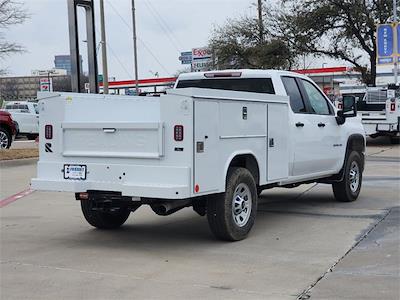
(293, 91)
(253, 85)
(318, 103)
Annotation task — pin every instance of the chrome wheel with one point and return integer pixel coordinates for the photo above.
(241, 205)
(354, 177)
(3, 140)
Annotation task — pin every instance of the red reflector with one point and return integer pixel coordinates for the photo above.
(178, 133)
(196, 188)
(48, 132)
(223, 74)
(83, 196)
(392, 106)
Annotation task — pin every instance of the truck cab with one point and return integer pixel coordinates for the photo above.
(213, 142)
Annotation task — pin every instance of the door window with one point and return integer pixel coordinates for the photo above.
(293, 91)
(317, 101)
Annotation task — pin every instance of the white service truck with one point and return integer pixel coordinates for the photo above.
(214, 142)
(26, 115)
(381, 113)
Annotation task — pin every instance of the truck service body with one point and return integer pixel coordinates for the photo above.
(238, 130)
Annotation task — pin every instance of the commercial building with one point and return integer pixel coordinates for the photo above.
(64, 62)
(25, 88)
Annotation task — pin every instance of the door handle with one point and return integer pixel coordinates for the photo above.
(109, 130)
(299, 124)
(321, 124)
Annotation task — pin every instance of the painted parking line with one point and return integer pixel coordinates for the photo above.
(15, 197)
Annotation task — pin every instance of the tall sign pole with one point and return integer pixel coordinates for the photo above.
(135, 46)
(103, 48)
(396, 43)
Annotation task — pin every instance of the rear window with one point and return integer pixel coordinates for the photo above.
(254, 85)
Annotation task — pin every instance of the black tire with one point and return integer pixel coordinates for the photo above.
(103, 220)
(220, 212)
(32, 137)
(5, 139)
(395, 140)
(347, 190)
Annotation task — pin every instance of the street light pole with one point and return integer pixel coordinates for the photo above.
(103, 48)
(135, 47)
(395, 57)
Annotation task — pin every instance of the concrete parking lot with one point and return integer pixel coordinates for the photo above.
(304, 245)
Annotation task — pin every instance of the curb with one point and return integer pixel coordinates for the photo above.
(18, 162)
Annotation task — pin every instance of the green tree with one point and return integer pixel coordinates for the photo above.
(11, 13)
(341, 29)
(239, 44)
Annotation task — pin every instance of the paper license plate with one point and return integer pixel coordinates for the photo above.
(77, 172)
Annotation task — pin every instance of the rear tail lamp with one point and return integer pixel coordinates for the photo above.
(222, 74)
(178, 133)
(48, 132)
(392, 106)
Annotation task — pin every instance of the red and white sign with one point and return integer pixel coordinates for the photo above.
(202, 59)
(46, 85)
(201, 53)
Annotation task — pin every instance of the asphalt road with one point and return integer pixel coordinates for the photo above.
(304, 245)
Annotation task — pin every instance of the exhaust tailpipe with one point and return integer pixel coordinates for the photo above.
(166, 208)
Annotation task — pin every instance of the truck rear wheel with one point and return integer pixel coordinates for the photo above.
(231, 215)
(104, 219)
(349, 187)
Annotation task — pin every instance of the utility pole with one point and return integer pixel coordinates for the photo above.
(397, 50)
(103, 48)
(260, 21)
(135, 46)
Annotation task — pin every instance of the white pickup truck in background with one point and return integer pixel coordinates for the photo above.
(26, 115)
(214, 142)
(380, 113)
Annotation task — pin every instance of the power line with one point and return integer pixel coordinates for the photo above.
(115, 56)
(164, 26)
(140, 40)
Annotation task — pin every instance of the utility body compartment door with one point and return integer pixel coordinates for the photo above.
(205, 146)
(277, 142)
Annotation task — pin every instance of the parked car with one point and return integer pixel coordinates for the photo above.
(8, 130)
(26, 115)
(214, 143)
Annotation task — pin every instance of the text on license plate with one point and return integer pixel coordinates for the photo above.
(75, 172)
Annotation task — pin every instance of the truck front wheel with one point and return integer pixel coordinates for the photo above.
(349, 187)
(104, 219)
(231, 215)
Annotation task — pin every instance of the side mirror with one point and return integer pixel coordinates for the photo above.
(349, 109)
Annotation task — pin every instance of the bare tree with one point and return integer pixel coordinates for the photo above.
(11, 13)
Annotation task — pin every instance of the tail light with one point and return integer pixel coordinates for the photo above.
(392, 106)
(178, 133)
(222, 74)
(48, 132)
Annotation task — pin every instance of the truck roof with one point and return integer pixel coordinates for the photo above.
(240, 73)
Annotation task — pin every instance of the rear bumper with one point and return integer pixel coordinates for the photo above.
(138, 181)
